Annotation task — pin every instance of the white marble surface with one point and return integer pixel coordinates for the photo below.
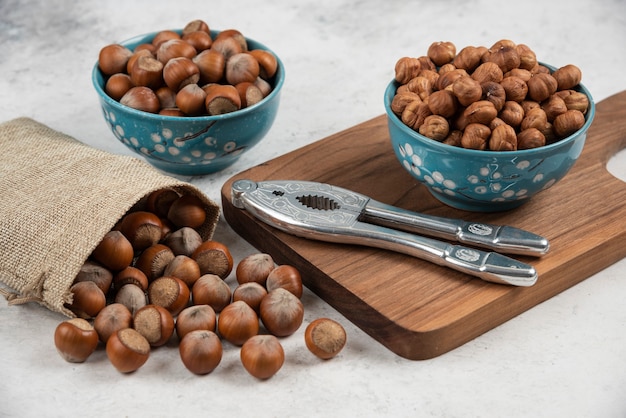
(562, 358)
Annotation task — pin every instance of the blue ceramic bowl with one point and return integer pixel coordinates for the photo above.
(483, 181)
(190, 145)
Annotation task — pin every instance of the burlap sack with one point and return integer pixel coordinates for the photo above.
(58, 198)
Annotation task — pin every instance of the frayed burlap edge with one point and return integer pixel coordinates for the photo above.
(58, 198)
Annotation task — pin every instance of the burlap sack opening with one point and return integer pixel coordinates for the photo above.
(58, 198)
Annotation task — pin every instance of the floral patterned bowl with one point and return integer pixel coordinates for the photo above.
(483, 181)
(190, 145)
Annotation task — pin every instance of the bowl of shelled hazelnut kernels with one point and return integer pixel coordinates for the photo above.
(485, 129)
(190, 101)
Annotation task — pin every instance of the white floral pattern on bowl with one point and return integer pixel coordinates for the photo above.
(488, 180)
(190, 149)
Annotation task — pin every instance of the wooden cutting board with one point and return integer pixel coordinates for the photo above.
(419, 310)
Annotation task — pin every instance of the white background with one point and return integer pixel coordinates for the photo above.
(563, 358)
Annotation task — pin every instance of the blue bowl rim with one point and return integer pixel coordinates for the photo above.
(589, 116)
(279, 79)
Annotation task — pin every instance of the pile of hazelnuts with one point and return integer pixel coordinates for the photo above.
(498, 98)
(189, 73)
(153, 276)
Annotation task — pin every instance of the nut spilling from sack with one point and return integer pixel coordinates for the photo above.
(153, 276)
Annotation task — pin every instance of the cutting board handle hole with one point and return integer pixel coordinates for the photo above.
(617, 165)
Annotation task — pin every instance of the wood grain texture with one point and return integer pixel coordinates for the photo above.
(419, 310)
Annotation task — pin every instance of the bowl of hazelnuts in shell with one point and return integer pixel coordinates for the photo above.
(190, 101)
(486, 128)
